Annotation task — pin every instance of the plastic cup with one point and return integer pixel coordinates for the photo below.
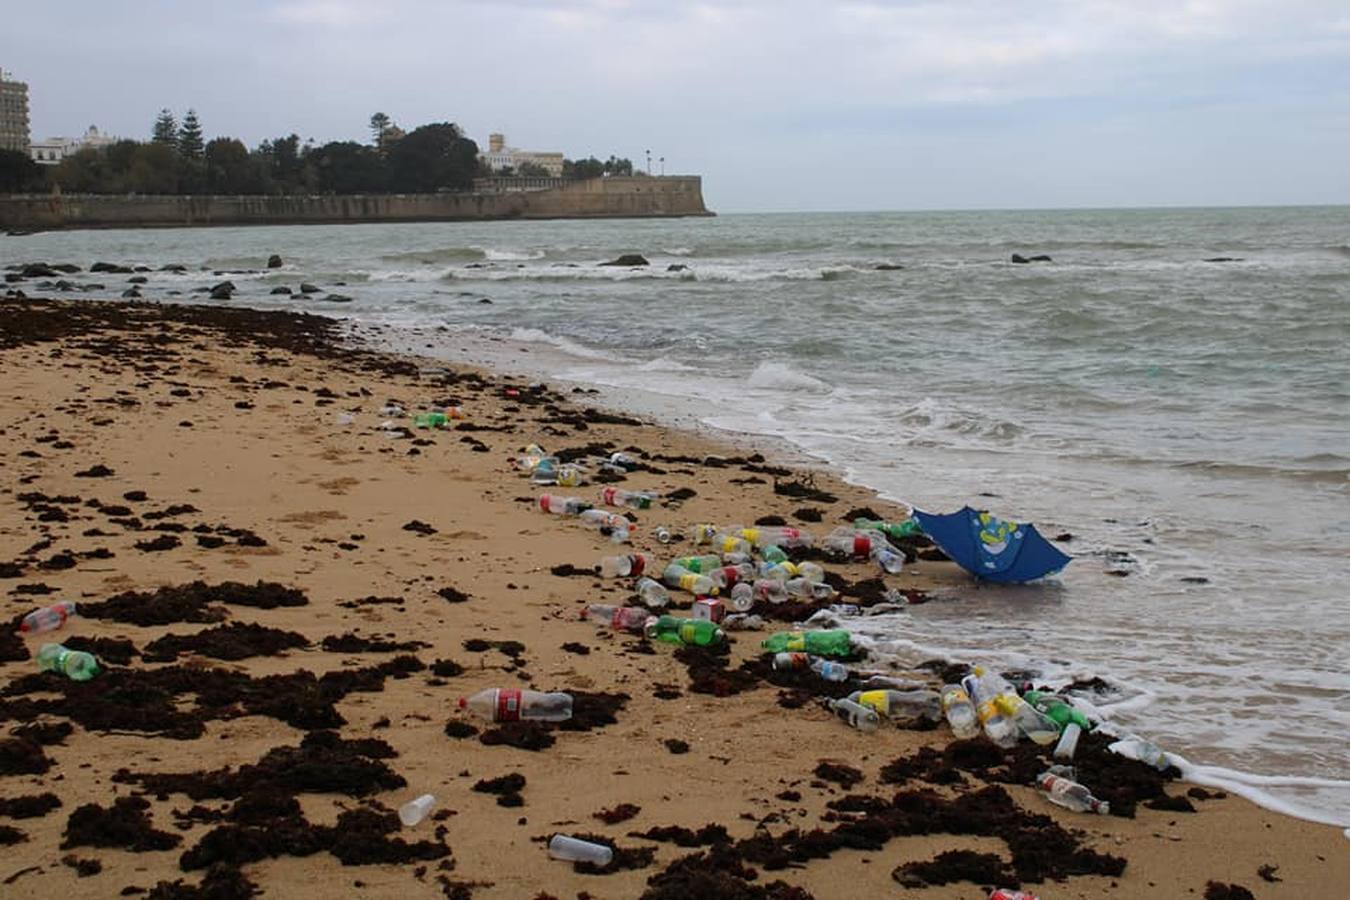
(416, 810)
(573, 850)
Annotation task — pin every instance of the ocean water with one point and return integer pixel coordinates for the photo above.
(1187, 421)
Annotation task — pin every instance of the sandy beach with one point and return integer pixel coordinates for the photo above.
(288, 606)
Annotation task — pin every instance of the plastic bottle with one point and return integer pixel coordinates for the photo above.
(663, 534)
(703, 533)
(863, 718)
(698, 564)
(632, 564)
(1010, 894)
(392, 411)
(1057, 709)
(680, 577)
(620, 618)
(1146, 752)
(811, 590)
(675, 630)
(1068, 741)
(612, 496)
(1070, 794)
(741, 598)
(1029, 720)
(76, 665)
(562, 506)
(49, 618)
(960, 711)
(511, 704)
(570, 476)
(571, 849)
(773, 554)
(742, 622)
(920, 704)
(545, 471)
(415, 810)
(827, 669)
(730, 576)
(623, 461)
(829, 642)
(437, 418)
(652, 593)
(780, 536)
(908, 528)
(997, 727)
(852, 542)
(729, 543)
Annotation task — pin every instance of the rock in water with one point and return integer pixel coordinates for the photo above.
(628, 259)
(274, 261)
(281, 290)
(222, 291)
(307, 288)
(337, 298)
(1019, 258)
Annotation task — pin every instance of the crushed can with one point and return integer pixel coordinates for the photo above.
(710, 608)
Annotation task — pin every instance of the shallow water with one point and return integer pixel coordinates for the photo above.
(1183, 419)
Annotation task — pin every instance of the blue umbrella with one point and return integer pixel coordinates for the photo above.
(991, 549)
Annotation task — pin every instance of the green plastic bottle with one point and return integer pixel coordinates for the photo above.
(76, 665)
(1057, 709)
(907, 528)
(831, 642)
(675, 630)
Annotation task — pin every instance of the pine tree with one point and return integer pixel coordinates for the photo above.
(379, 125)
(190, 143)
(166, 128)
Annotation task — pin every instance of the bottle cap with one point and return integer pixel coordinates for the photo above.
(463, 702)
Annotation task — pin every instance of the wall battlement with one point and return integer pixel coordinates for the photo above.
(613, 197)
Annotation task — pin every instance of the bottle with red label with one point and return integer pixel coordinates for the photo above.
(48, 618)
(620, 618)
(1010, 894)
(562, 506)
(512, 705)
(612, 496)
(628, 565)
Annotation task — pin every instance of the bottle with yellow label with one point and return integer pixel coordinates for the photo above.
(828, 642)
(675, 630)
(679, 577)
(919, 704)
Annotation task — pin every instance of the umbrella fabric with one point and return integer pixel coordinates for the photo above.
(990, 548)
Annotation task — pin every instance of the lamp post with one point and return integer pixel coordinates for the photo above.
(649, 162)
(663, 167)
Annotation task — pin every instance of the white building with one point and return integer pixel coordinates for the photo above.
(54, 149)
(499, 157)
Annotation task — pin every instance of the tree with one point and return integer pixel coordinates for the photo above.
(433, 157)
(532, 170)
(230, 169)
(616, 166)
(583, 168)
(281, 159)
(346, 167)
(379, 126)
(190, 144)
(166, 128)
(18, 173)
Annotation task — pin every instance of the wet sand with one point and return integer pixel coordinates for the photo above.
(289, 607)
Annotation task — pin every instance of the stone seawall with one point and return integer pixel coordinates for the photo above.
(615, 197)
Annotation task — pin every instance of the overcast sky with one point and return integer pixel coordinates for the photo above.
(780, 105)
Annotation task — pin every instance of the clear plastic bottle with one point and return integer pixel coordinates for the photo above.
(620, 618)
(812, 590)
(629, 565)
(997, 727)
(703, 533)
(729, 543)
(612, 496)
(571, 849)
(827, 669)
(741, 598)
(562, 506)
(680, 577)
(49, 618)
(545, 471)
(852, 542)
(1146, 752)
(1028, 719)
(781, 536)
(1060, 710)
(570, 476)
(730, 576)
(920, 704)
(773, 554)
(1070, 794)
(511, 705)
(675, 630)
(652, 593)
(623, 461)
(863, 718)
(960, 711)
(740, 621)
(76, 665)
(414, 811)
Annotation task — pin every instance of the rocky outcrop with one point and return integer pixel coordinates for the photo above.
(274, 261)
(1019, 258)
(628, 259)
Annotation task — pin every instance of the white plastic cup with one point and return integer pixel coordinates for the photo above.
(573, 850)
(415, 811)
(1068, 741)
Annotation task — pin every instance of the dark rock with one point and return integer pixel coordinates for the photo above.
(137, 279)
(39, 270)
(676, 267)
(274, 261)
(281, 290)
(173, 267)
(68, 268)
(628, 259)
(307, 288)
(131, 294)
(888, 267)
(1019, 258)
(223, 290)
(112, 268)
(1224, 259)
(337, 298)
